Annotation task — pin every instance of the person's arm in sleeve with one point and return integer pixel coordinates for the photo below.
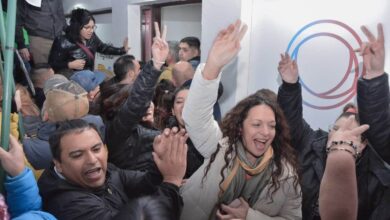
(373, 95)
(204, 132)
(290, 100)
(142, 92)
(19, 36)
(108, 49)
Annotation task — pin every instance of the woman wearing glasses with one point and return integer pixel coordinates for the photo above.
(76, 49)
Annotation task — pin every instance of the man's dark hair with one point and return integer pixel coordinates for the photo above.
(64, 128)
(122, 65)
(192, 42)
(149, 208)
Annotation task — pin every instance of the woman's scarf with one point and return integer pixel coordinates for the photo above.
(236, 184)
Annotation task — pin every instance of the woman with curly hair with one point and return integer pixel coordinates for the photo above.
(250, 169)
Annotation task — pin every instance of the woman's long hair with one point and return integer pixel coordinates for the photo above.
(162, 100)
(79, 18)
(283, 151)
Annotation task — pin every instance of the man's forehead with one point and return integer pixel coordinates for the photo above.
(67, 141)
(184, 45)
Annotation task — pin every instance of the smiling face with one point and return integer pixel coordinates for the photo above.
(87, 30)
(83, 159)
(258, 131)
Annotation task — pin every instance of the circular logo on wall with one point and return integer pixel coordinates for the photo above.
(340, 92)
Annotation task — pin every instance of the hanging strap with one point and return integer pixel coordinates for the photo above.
(87, 51)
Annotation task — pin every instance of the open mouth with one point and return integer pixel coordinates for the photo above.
(94, 173)
(260, 144)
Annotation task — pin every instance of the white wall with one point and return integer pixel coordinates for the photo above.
(212, 21)
(272, 24)
(90, 4)
(182, 21)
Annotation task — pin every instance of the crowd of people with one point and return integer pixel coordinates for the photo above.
(150, 143)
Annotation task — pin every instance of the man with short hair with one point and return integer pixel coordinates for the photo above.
(126, 69)
(82, 185)
(190, 51)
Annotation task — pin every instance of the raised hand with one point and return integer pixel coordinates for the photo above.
(13, 160)
(160, 47)
(373, 53)
(170, 155)
(288, 69)
(225, 47)
(349, 132)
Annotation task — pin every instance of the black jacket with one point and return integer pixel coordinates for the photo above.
(374, 109)
(64, 51)
(68, 201)
(373, 177)
(130, 144)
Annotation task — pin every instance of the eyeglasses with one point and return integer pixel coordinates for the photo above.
(90, 27)
(333, 127)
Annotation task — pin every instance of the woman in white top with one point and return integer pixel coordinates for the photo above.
(250, 168)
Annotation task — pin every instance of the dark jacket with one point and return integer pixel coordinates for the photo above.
(64, 51)
(130, 144)
(37, 148)
(68, 201)
(372, 174)
(194, 62)
(373, 99)
(48, 21)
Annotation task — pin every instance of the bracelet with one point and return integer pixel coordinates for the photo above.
(356, 154)
(157, 62)
(342, 149)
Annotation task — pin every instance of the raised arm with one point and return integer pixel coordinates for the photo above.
(22, 190)
(290, 100)
(339, 180)
(142, 92)
(109, 49)
(373, 93)
(198, 108)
